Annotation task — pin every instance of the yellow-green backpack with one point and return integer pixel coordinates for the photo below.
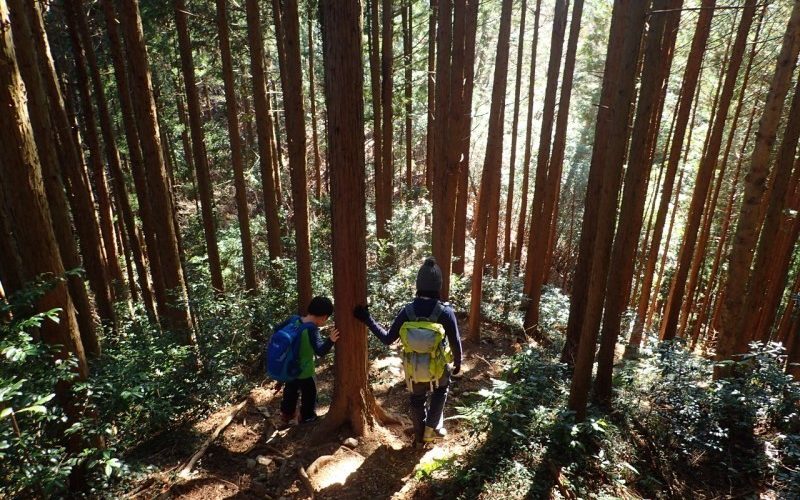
(424, 357)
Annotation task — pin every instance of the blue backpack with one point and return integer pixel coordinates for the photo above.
(283, 351)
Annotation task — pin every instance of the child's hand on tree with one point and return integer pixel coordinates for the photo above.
(334, 336)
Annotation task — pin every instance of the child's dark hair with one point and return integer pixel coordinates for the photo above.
(320, 306)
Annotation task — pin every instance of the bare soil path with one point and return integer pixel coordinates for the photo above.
(251, 458)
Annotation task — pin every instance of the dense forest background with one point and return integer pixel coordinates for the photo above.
(611, 188)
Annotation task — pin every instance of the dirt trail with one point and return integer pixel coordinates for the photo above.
(252, 459)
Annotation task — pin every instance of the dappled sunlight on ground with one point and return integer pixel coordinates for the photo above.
(253, 459)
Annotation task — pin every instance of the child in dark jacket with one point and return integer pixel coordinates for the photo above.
(427, 421)
(311, 345)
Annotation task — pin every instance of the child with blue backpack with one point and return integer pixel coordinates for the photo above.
(428, 331)
(290, 358)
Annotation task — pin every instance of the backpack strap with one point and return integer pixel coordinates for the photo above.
(438, 309)
(412, 316)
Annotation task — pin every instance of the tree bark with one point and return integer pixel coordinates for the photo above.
(387, 115)
(176, 311)
(705, 173)
(464, 134)
(690, 78)
(151, 260)
(204, 185)
(773, 253)
(512, 164)
(523, 211)
(489, 198)
(429, 133)
(611, 138)
(24, 203)
(352, 401)
(545, 218)
(82, 60)
(232, 105)
(264, 126)
(377, 110)
(407, 21)
(43, 131)
(658, 53)
(732, 339)
(292, 83)
(312, 100)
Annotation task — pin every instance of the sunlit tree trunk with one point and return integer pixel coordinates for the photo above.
(658, 52)
(407, 21)
(514, 129)
(705, 174)
(312, 100)
(490, 179)
(465, 136)
(732, 338)
(611, 137)
(264, 129)
(387, 117)
(174, 312)
(292, 83)
(353, 402)
(690, 78)
(523, 210)
(377, 110)
(151, 261)
(773, 253)
(43, 131)
(205, 188)
(232, 107)
(431, 80)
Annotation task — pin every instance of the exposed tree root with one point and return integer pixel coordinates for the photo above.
(187, 469)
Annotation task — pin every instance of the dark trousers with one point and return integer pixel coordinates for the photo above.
(430, 414)
(308, 402)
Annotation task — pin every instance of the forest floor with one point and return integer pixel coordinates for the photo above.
(252, 458)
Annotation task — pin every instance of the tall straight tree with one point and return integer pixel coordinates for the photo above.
(431, 81)
(608, 155)
(24, 203)
(387, 115)
(691, 76)
(732, 339)
(136, 161)
(705, 174)
(175, 310)
(491, 167)
(286, 15)
(464, 135)
(658, 52)
(86, 223)
(374, 31)
(263, 126)
(534, 272)
(312, 100)
(512, 164)
(232, 105)
(523, 209)
(407, 21)
(41, 125)
(353, 401)
(111, 151)
(102, 193)
(204, 187)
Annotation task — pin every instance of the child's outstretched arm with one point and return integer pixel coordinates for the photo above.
(386, 337)
(322, 347)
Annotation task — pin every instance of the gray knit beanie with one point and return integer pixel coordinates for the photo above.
(429, 276)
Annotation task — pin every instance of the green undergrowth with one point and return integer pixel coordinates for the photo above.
(670, 432)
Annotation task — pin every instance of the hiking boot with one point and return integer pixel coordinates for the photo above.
(285, 421)
(310, 419)
(432, 434)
